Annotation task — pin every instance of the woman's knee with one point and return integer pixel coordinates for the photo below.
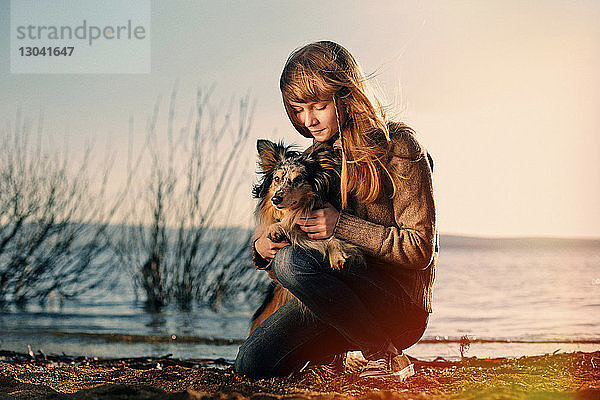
(293, 264)
(248, 361)
(412, 333)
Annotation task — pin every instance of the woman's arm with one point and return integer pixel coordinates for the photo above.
(259, 261)
(265, 249)
(410, 241)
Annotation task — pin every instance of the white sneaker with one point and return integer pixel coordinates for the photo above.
(397, 368)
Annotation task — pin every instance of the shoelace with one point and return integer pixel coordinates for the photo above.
(381, 365)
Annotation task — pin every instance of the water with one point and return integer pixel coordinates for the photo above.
(512, 297)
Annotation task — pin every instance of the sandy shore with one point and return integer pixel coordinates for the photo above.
(559, 376)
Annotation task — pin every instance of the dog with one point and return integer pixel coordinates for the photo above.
(292, 185)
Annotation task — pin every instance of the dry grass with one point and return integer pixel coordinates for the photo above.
(560, 376)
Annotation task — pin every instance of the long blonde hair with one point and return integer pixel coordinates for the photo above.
(323, 71)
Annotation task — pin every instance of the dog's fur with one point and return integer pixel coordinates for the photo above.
(292, 185)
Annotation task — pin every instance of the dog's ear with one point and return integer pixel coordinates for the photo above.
(325, 163)
(326, 185)
(328, 158)
(269, 154)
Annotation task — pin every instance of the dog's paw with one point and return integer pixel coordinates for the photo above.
(276, 237)
(275, 234)
(336, 261)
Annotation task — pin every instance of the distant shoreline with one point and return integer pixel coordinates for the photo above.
(468, 241)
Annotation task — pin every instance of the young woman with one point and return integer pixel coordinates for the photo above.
(380, 307)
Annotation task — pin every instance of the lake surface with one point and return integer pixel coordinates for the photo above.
(517, 297)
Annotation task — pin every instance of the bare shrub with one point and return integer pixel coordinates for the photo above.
(53, 219)
(184, 237)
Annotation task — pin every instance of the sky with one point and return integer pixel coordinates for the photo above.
(505, 95)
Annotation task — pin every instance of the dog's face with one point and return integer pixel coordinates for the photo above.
(292, 180)
(290, 187)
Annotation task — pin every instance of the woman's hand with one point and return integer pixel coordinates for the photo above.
(319, 224)
(267, 248)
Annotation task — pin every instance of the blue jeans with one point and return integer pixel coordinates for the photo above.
(356, 308)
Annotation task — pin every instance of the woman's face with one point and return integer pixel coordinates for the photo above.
(318, 117)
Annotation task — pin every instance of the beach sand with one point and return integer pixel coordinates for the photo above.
(37, 376)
